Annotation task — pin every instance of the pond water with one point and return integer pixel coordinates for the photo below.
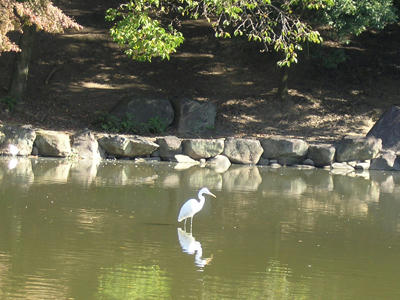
(109, 231)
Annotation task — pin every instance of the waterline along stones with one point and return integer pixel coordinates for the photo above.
(169, 146)
(351, 154)
(322, 155)
(386, 161)
(286, 151)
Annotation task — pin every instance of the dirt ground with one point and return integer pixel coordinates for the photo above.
(77, 75)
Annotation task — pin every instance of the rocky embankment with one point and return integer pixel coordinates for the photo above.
(346, 155)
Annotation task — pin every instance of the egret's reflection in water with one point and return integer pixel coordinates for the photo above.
(191, 246)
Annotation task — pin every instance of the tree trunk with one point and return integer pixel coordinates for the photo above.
(19, 76)
(282, 94)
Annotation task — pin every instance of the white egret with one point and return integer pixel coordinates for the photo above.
(193, 206)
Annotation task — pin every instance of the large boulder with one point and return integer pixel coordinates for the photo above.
(194, 116)
(287, 151)
(387, 128)
(17, 140)
(169, 147)
(142, 110)
(243, 151)
(85, 146)
(386, 161)
(354, 148)
(52, 143)
(127, 146)
(321, 154)
(203, 148)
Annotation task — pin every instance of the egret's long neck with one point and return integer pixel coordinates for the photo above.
(202, 200)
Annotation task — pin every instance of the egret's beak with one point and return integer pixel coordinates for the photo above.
(211, 194)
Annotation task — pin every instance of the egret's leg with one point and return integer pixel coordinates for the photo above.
(191, 224)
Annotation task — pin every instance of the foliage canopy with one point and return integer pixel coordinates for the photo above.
(347, 18)
(17, 14)
(139, 28)
(148, 28)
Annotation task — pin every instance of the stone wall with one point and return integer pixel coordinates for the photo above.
(344, 156)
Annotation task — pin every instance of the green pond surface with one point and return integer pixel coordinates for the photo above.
(76, 230)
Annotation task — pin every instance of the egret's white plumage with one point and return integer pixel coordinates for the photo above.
(193, 206)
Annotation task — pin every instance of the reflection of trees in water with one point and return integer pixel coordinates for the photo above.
(274, 282)
(133, 282)
(305, 196)
(38, 236)
(4, 271)
(315, 191)
(74, 247)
